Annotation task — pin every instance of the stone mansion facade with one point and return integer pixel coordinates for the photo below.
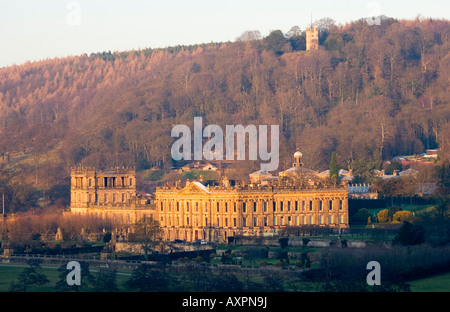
(215, 213)
(109, 194)
(218, 210)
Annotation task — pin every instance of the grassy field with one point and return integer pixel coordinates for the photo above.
(10, 273)
(439, 283)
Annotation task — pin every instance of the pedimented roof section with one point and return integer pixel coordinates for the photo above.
(194, 188)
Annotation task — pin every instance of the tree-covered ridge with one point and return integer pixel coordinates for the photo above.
(369, 93)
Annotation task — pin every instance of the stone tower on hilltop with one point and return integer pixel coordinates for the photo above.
(312, 38)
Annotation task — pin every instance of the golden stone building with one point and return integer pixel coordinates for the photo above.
(298, 197)
(214, 213)
(110, 194)
(219, 210)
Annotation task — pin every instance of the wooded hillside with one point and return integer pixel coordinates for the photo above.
(369, 93)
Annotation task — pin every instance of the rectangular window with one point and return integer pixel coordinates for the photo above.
(196, 206)
(254, 222)
(331, 205)
(310, 205)
(218, 221)
(178, 206)
(303, 205)
(234, 221)
(265, 206)
(131, 182)
(274, 206)
(289, 206)
(244, 222)
(226, 221)
(281, 206)
(244, 207)
(265, 221)
(123, 197)
(340, 204)
(320, 205)
(187, 220)
(234, 206)
(254, 206)
(187, 206)
(90, 182)
(162, 206)
(218, 206)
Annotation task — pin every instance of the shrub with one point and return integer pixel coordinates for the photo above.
(410, 235)
(392, 211)
(305, 242)
(107, 237)
(212, 255)
(283, 242)
(403, 216)
(361, 215)
(395, 165)
(303, 256)
(382, 216)
(299, 263)
(262, 263)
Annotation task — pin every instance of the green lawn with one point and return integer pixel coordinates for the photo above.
(439, 283)
(10, 273)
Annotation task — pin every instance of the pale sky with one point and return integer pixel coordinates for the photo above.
(38, 29)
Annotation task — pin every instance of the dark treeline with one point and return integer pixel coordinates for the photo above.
(369, 93)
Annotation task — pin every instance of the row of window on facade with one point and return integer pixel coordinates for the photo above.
(107, 182)
(276, 206)
(107, 198)
(119, 217)
(253, 222)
